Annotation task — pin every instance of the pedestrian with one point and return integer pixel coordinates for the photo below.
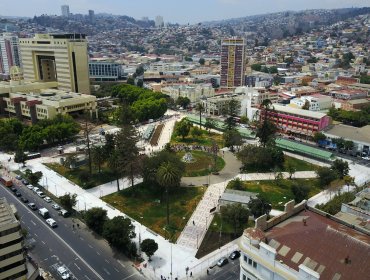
(73, 226)
(78, 225)
(207, 272)
(161, 277)
(191, 274)
(193, 223)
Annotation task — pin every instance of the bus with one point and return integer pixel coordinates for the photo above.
(32, 155)
(7, 182)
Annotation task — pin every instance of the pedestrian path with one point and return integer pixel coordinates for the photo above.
(271, 175)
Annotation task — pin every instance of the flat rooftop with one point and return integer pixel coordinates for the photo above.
(322, 245)
(360, 134)
(299, 112)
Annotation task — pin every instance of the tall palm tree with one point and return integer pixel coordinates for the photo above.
(168, 176)
(199, 107)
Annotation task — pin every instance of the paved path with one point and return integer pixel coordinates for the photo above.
(271, 176)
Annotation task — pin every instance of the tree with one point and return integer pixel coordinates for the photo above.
(183, 102)
(131, 81)
(183, 128)
(325, 176)
(237, 214)
(236, 184)
(349, 145)
(109, 144)
(99, 156)
(70, 161)
(199, 108)
(140, 83)
(118, 232)
(259, 206)
(20, 157)
(232, 138)
(244, 120)
(68, 201)
(114, 164)
(319, 136)
(149, 247)
(95, 219)
(300, 192)
(33, 177)
(232, 110)
(210, 124)
(195, 132)
(306, 105)
(291, 169)
(202, 61)
(348, 180)
(266, 130)
(168, 176)
(256, 67)
(340, 167)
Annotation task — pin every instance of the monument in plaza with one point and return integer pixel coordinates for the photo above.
(188, 158)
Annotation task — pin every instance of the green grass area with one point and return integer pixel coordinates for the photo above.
(297, 164)
(201, 164)
(206, 139)
(280, 194)
(148, 206)
(74, 175)
(213, 239)
(334, 205)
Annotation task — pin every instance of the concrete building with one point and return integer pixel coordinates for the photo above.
(105, 71)
(166, 67)
(317, 102)
(65, 10)
(232, 62)
(57, 57)
(236, 196)
(9, 53)
(159, 22)
(194, 92)
(218, 105)
(47, 104)
(298, 122)
(91, 16)
(303, 244)
(348, 94)
(257, 95)
(13, 258)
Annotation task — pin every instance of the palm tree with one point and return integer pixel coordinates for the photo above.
(199, 107)
(168, 176)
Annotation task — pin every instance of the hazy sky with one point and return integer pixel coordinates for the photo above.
(181, 11)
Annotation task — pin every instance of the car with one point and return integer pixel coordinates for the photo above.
(63, 272)
(47, 199)
(223, 261)
(40, 194)
(29, 186)
(55, 206)
(234, 255)
(18, 194)
(366, 158)
(18, 177)
(32, 206)
(13, 189)
(51, 222)
(63, 212)
(35, 189)
(24, 199)
(25, 182)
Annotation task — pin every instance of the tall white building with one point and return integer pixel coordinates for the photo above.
(9, 53)
(159, 22)
(65, 10)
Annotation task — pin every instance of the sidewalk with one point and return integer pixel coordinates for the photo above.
(271, 175)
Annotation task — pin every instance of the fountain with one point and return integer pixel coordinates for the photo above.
(188, 158)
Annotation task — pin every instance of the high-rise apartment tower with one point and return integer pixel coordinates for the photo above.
(9, 53)
(232, 62)
(65, 10)
(57, 57)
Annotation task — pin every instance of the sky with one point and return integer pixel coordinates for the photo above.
(174, 11)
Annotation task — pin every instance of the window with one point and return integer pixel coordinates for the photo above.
(244, 277)
(250, 261)
(254, 264)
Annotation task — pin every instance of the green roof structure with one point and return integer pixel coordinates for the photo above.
(304, 149)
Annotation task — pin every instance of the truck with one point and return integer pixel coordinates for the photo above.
(44, 213)
(7, 182)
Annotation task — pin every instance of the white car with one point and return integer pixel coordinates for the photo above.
(30, 187)
(41, 194)
(47, 199)
(63, 272)
(51, 222)
(55, 206)
(366, 158)
(35, 189)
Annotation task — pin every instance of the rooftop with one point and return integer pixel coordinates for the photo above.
(300, 112)
(360, 134)
(333, 250)
(237, 196)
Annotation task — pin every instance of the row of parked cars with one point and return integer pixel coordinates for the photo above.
(42, 211)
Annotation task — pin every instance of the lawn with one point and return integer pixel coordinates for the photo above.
(200, 167)
(278, 195)
(214, 240)
(206, 139)
(147, 206)
(74, 175)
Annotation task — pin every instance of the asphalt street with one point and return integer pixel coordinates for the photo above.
(230, 271)
(85, 256)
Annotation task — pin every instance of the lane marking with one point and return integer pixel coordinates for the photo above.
(90, 246)
(43, 242)
(33, 223)
(133, 274)
(121, 263)
(77, 266)
(98, 253)
(106, 271)
(116, 269)
(106, 261)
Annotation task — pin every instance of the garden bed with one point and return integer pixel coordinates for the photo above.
(156, 135)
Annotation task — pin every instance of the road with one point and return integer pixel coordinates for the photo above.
(84, 255)
(230, 271)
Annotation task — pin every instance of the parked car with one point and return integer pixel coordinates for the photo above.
(30, 187)
(32, 206)
(234, 255)
(47, 199)
(18, 194)
(55, 206)
(13, 189)
(223, 261)
(63, 212)
(35, 189)
(63, 272)
(25, 182)
(51, 222)
(24, 199)
(41, 194)
(18, 177)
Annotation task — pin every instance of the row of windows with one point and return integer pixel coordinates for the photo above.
(246, 278)
(7, 244)
(12, 254)
(10, 231)
(250, 261)
(8, 267)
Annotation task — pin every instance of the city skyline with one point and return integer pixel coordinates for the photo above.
(190, 12)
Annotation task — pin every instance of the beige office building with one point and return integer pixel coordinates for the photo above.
(57, 57)
(12, 256)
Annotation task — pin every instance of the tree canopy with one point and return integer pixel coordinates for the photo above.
(237, 215)
(95, 219)
(149, 247)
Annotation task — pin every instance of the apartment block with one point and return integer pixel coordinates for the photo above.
(105, 71)
(12, 255)
(57, 57)
(232, 62)
(9, 53)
